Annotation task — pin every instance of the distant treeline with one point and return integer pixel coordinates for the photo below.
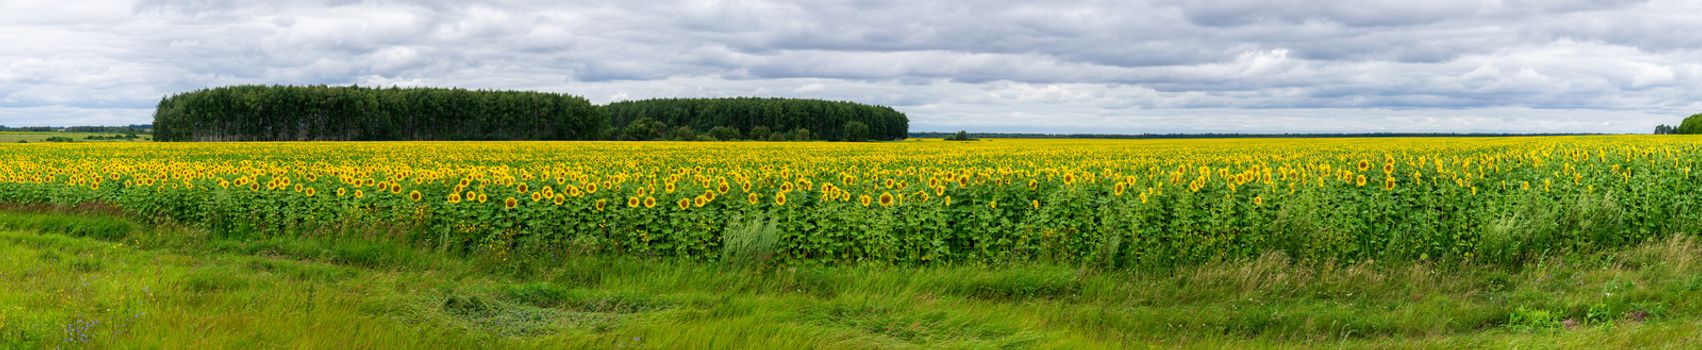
(127, 129)
(974, 135)
(303, 113)
(1691, 125)
(751, 118)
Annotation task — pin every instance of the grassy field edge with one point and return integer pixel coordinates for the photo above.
(88, 279)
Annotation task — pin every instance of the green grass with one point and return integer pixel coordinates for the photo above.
(41, 136)
(93, 280)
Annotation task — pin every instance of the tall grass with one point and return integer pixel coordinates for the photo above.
(62, 290)
(750, 242)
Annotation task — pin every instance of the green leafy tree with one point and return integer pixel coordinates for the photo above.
(644, 129)
(682, 133)
(854, 131)
(960, 136)
(724, 133)
(799, 134)
(759, 133)
(1691, 125)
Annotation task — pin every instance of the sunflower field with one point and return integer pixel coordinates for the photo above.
(1117, 203)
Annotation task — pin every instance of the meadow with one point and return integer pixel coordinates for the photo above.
(1419, 242)
(43, 136)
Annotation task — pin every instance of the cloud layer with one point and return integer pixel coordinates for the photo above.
(1057, 66)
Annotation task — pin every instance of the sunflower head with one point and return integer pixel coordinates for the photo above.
(415, 195)
(649, 202)
(753, 198)
(631, 202)
(780, 198)
(886, 199)
(600, 202)
(864, 199)
(510, 203)
(559, 199)
(684, 203)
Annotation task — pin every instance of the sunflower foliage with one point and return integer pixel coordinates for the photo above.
(1120, 204)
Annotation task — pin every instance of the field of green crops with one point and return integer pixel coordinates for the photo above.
(1110, 203)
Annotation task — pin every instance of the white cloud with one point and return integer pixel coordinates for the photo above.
(1060, 66)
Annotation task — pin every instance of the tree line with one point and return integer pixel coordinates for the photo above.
(1691, 125)
(305, 113)
(754, 118)
(127, 129)
(337, 113)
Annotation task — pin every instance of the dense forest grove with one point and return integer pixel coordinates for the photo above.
(308, 113)
(757, 119)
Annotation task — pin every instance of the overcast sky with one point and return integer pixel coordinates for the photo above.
(1257, 66)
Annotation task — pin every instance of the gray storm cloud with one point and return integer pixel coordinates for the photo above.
(1057, 66)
